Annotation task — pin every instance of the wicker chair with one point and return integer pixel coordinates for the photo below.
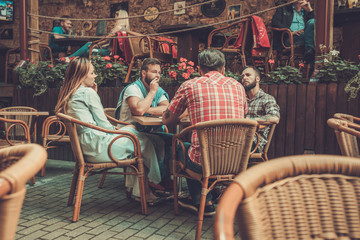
(29, 120)
(17, 132)
(347, 134)
(347, 117)
(295, 197)
(53, 135)
(84, 169)
(225, 149)
(263, 155)
(17, 165)
(229, 34)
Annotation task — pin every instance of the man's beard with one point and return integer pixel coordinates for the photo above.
(250, 86)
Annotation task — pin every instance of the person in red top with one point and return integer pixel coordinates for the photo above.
(208, 97)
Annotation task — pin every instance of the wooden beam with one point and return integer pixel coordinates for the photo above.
(34, 24)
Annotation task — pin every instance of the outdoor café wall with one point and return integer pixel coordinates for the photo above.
(106, 9)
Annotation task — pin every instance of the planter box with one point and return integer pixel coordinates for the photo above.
(304, 110)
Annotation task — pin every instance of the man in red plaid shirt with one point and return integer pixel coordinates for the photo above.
(209, 97)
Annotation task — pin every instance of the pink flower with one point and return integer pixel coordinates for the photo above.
(183, 59)
(107, 58)
(190, 70)
(191, 63)
(116, 56)
(50, 66)
(33, 62)
(62, 59)
(185, 75)
(271, 61)
(29, 59)
(182, 66)
(109, 65)
(301, 65)
(173, 74)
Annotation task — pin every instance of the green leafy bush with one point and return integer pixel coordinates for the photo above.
(287, 75)
(42, 75)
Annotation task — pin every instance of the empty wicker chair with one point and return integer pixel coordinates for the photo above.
(53, 135)
(263, 154)
(225, 148)
(347, 135)
(84, 169)
(17, 165)
(347, 117)
(295, 197)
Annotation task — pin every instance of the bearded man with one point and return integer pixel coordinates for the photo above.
(262, 106)
(144, 96)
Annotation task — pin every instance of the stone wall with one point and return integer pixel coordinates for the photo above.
(102, 9)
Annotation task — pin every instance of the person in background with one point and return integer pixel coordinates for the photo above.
(211, 96)
(78, 98)
(262, 106)
(60, 32)
(299, 18)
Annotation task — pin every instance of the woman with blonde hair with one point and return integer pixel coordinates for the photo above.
(78, 98)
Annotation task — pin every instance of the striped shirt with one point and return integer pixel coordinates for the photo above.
(210, 97)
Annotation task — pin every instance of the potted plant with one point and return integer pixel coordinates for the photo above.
(334, 69)
(42, 75)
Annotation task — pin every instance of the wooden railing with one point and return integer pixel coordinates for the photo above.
(304, 110)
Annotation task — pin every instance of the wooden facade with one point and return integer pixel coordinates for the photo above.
(304, 110)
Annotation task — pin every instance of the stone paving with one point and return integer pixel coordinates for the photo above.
(105, 213)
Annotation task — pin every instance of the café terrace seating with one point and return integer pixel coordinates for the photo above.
(263, 154)
(347, 135)
(225, 148)
(85, 169)
(135, 46)
(53, 135)
(294, 197)
(17, 165)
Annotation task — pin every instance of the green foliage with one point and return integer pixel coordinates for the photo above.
(287, 75)
(109, 69)
(42, 75)
(353, 86)
(235, 76)
(336, 70)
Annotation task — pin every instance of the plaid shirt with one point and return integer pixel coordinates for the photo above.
(210, 97)
(263, 105)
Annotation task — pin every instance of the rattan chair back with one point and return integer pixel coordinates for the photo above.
(225, 145)
(263, 154)
(17, 165)
(347, 135)
(347, 117)
(18, 131)
(85, 169)
(225, 148)
(295, 197)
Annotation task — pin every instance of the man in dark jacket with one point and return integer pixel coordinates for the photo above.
(299, 18)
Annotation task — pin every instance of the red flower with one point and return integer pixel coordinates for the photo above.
(33, 62)
(271, 61)
(116, 56)
(107, 58)
(359, 56)
(62, 59)
(183, 59)
(109, 65)
(50, 66)
(190, 70)
(182, 66)
(191, 63)
(301, 65)
(29, 59)
(173, 74)
(185, 75)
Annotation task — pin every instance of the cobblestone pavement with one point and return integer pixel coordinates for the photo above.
(105, 213)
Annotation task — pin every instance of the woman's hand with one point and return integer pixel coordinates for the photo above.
(95, 87)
